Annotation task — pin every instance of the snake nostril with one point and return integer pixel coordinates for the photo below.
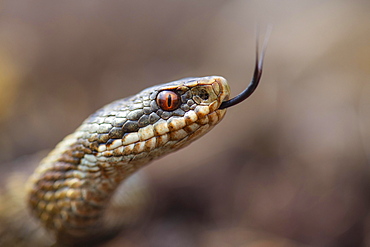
(203, 94)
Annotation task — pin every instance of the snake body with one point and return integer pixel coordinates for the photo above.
(71, 190)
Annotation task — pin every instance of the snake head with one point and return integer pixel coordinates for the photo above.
(181, 111)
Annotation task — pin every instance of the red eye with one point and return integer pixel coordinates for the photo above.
(168, 100)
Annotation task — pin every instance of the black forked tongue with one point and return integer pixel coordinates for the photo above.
(255, 80)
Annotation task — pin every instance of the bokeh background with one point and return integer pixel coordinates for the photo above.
(288, 167)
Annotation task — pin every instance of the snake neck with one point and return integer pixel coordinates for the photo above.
(68, 193)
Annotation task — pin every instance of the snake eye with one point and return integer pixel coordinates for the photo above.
(168, 100)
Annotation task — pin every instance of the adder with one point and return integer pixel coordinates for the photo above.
(75, 194)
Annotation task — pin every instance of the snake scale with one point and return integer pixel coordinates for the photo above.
(71, 193)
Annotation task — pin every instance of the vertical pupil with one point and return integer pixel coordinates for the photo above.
(169, 100)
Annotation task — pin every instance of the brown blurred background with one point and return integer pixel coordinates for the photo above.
(289, 167)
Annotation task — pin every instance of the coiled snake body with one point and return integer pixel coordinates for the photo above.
(71, 191)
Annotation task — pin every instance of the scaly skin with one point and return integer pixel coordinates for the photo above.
(71, 191)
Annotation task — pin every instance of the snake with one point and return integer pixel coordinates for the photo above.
(71, 197)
